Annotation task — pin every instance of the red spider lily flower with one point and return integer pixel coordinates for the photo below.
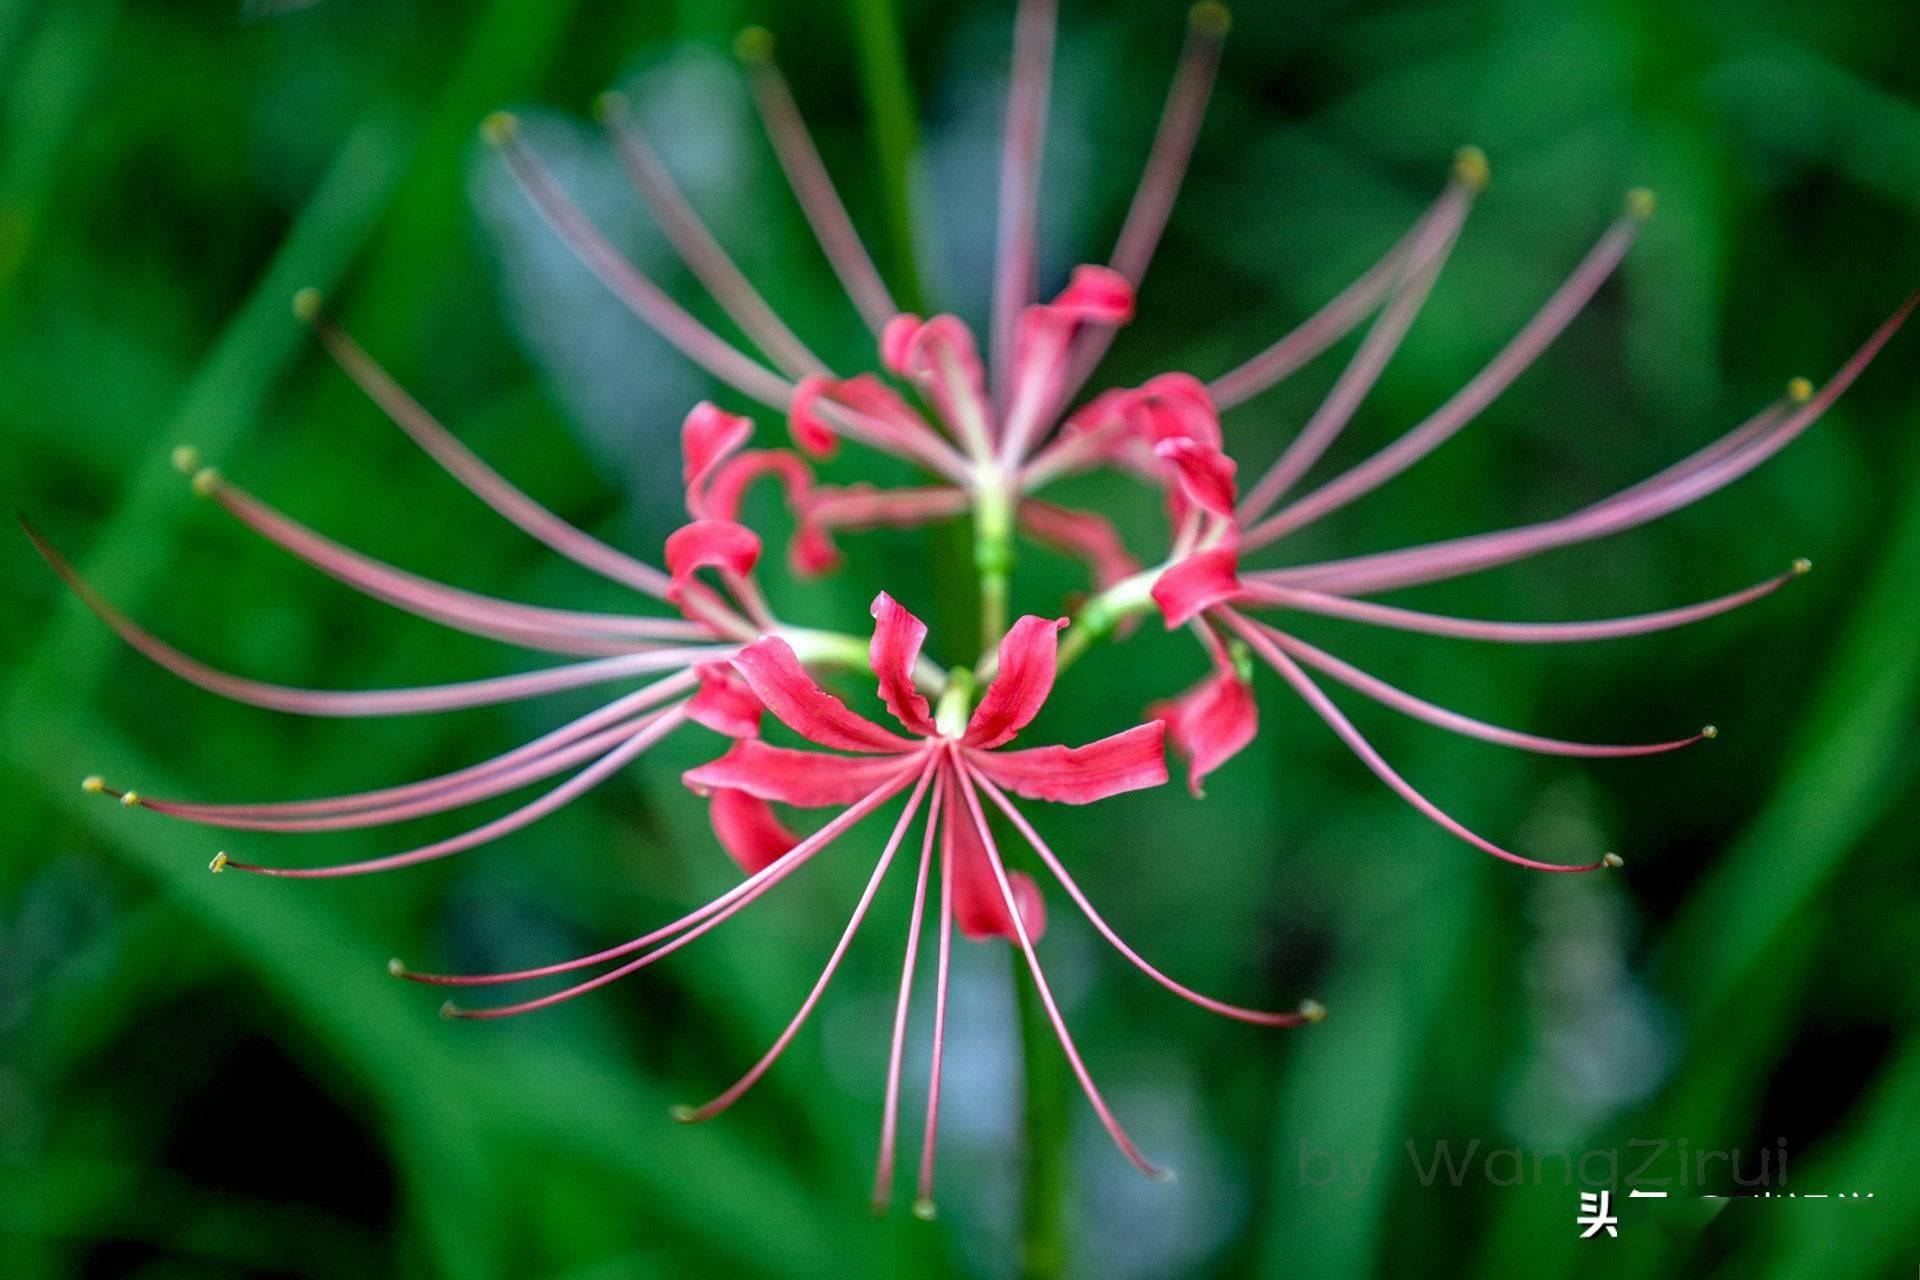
(950, 760)
(676, 655)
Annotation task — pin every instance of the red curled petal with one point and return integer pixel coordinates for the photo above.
(1096, 295)
(707, 438)
(1198, 583)
(730, 480)
(1124, 762)
(978, 906)
(811, 551)
(776, 675)
(1173, 405)
(896, 340)
(1210, 723)
(804, 779)
(809, 430)
(748, 830)
(709, 544)
(897, 637)
(724, 702)
(1203, 472)
(1020, 688)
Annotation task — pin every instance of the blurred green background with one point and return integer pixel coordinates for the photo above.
(213, 1077)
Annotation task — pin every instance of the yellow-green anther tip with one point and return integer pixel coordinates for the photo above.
(681, 1113)
(1799, 390)
(1613, 860)
(186, 459)
(1470, 168)
(205, 481)
(306, 305)
(1640, 202)
(499, 128)
(1709, 731)
(610, 105)
(1313, 1011)
(754, 45)
(219, 863)
(1210, 18)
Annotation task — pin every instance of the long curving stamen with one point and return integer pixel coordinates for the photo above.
(531, 626)
(896, 1054)
(655, 729)
(1343, 728)
(1709, 470)
(465, 466)
(687, 927)
(1166, 168)
(734, 1092)
(930, 1132)
(1100, 1108)
(697, 247)
(1015, 247)
(1434, 624)
(642, 296)
(1426, 260)
(1420, 709)
(1329, 324)
(236, 814)
(1467, 403)
(1308, 1012)
(490, 691)
(496, 782)
(812, 186)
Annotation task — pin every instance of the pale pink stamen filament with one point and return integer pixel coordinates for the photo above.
(594, 774)
(532, 626)
(1160, 180)
(1015, 245)
(819, 201)
(697, 247)
(497, 782)
(1707, 471)
(1427, 259)
(739, 1088)
(620, 709)
(688, 927)
(1032, 837)
(1325, 327)
(642, 296)
(490, 691)
(480, 479)
(1311, 694)
(1100, 1108)
(896, 1053)
(930, 1134)
(1467, 403)
(1420, 709)
(1381, 615)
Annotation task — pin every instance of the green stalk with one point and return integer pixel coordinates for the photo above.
(1043, 1232)
(993, 558)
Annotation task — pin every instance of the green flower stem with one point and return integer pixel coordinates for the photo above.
(1100, 615)
(993, 559)
(1043, 1233)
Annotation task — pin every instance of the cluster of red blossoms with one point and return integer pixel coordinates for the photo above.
(991, 432)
